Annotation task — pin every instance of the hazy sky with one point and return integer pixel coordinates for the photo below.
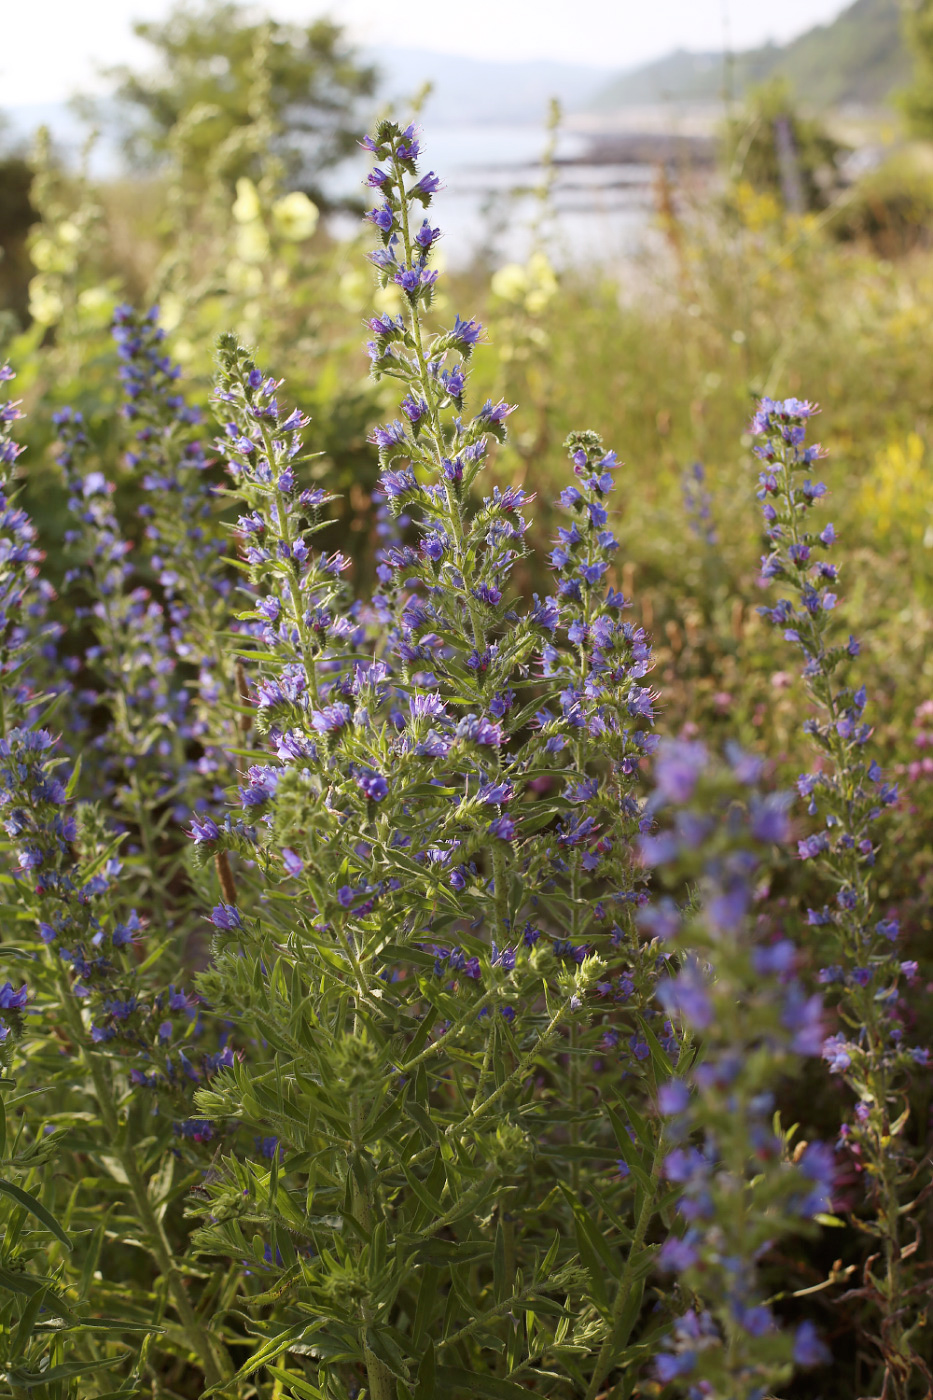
(51, 48)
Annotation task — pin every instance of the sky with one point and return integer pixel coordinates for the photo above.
(53, 48)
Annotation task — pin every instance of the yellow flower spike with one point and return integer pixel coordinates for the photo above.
(45, 302)
(45, 256)
(68, 233)
(897, 497)
(388, 300)
(354, 290)
(171, 310)
(246, 206)
(510, 283)
(252, 243)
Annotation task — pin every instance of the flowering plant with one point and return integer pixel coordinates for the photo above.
(476, 1091)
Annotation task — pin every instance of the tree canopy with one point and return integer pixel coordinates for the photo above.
(213, 60)
(917, 100)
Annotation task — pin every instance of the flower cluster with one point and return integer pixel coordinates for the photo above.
(479, 1087)
(732, 985)
(182, 528)
(847, 792)
(130, 657)
(24, 596)
(921, 769)
(446, 809)
(698, 503)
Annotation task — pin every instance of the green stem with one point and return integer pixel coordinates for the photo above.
(486, 1068)
(500, 1310)
(381, 1384)
(482, 1109)
(442, 1040)
(500, 905)
(607, 1352)
(210, 1351)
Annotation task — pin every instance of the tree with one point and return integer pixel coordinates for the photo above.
(917, 100)
(776, 149)
(17, 215)
(207, 63)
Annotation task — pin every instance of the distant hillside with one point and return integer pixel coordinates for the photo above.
(475, 91)
(860, 57)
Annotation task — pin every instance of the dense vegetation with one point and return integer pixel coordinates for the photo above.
(412, 950)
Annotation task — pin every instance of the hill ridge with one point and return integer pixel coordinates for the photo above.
(860, 57)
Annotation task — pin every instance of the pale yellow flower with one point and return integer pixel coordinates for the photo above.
(510, 282)
(388, 300)
(246, 206)
(542, 283)
(252, 243)
(96, 304)
(295, 216)
(45, 302)
(354, 290)
(171, 310)
(45, 256)
(244, 279)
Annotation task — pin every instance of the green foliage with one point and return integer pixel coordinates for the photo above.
(668, 363)
(917, 99)
(16, 216)
(205, 59)
(776, 150)
(891, 207)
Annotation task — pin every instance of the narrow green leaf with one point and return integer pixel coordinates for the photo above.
(126, 1392)
(451, 1378)
(419, 1114)
(298, 1332)
(420, 1039)
(379, 1251)
(449, 1252)
(111, 1324)
(381, 1345)
(427, 1375)
(500, 1282)
(598, 1259)
(21, 1283)
(628, 1150)
(551, 1255)
(22, 1332)
(423, 1195)
(428, 1296)
(35, 1208)
(29, 1379)
(642, 1131)
(659, 1056)
(297, 1384)
(73, 780)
